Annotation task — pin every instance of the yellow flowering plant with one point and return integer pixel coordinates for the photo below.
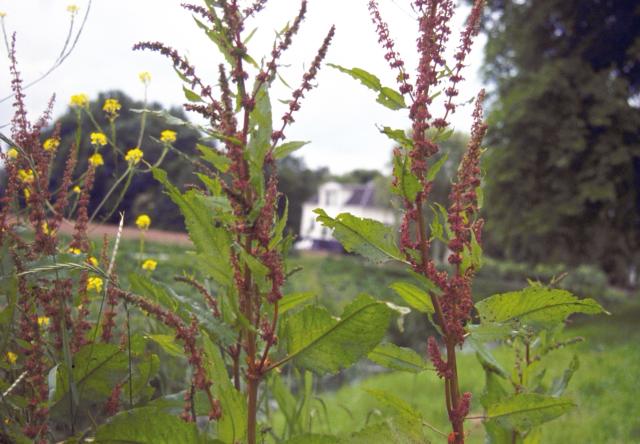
(98, 139)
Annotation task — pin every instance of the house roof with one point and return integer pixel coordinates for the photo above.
(363, 195)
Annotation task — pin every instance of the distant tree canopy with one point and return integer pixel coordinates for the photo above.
(564, 158)
(144, 194)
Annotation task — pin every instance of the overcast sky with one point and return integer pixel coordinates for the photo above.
(338, 117)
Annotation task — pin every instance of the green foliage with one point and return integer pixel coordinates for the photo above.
(367, 237)
(317, 341)
(387, 97)
(530, 321)
(147, 426)
(525, 411)
(563, 184)
(534, 306)
(397, 358)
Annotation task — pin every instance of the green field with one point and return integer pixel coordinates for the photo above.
(604, 388)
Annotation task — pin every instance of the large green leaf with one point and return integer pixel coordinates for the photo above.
(96, 370)
(388, 97)
(417, 298)
(309, 438)
(535, 305)
(292, 300)
(317, 341)
(147, 426)
(211, 241)
(287, 148)
(398, 358)
(401, 429)
(232, 426)
(399, 405)
(367, 237)
(525, 411)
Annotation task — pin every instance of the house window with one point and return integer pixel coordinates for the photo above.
(331, 197)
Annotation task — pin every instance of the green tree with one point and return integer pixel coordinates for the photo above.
(145, 194)
(564, 163)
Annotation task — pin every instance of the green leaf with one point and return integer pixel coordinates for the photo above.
(472, 256)
(435, 168)
(153, 291)
(211, 241)
(408, 184)
(560, 384)
(96, 370)
(287, 148)
(219, 161)
(147, 426)
(525, 411)
(388, 97)
(260, 124)
(400, 429)
(367, 237)
(168, 344)
(536, 305)
(417, 298)
(399, 405)
(397, 135)
(487, 360)
(191, 96)
(232, 425)
(397, 358)
(319, 342)
(292, 300)
(391, 98)
(309, 438)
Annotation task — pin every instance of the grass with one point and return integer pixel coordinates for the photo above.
(604, 387)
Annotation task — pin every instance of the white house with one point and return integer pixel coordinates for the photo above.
(336, 198)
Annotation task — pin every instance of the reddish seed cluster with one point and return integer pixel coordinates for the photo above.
(308, 77)
(112, 405)
(185, 333)
(441, 366)
(391, 55)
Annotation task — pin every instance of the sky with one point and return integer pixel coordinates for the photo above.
(339, 117)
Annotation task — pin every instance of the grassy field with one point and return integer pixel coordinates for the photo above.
(605, 387)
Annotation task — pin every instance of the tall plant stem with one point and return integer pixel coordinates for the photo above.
(452, 389)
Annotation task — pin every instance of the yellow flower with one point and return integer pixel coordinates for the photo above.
(43, 321)
(134, 155)
(143, 221)
(111, 106)
(98, 139)
(149, 265)
(72, 9)
(80, 100)
(12, 153)
(145, 77)
(27, 193)
(51, 144)
(12, 357)
(168, 136)
(93, 261)
(94, 283)
(96, 160)
(74, 250)
(77, 189)
(45, 228)
(3, 14)
(26, 176)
